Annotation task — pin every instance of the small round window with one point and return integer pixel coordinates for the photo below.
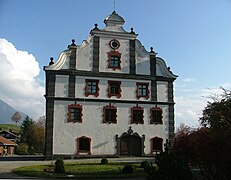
(114, 44)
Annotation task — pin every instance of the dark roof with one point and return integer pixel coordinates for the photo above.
(10, 133)
(6, 142)
(115, 18)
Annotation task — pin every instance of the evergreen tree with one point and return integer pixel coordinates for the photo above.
(27, 133)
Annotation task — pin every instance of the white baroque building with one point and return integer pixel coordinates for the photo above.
(108, 97)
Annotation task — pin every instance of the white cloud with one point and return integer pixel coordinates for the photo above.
(188, 110)
(215, 92)
(189, 80)
(191, 103)
(19, 86)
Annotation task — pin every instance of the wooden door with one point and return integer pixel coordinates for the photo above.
(130, 146)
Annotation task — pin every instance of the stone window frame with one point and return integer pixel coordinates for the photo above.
(115, 54)
(146, 85)
(110, 94)
(83, 151)
(109, 108)
(137, 108)
(73, 107)
(87, 93)
(159, 117)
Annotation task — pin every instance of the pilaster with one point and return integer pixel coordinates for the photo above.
(96, 54)
(71, 86)
(170, 91)
(152, 62)
(171, 123)
(72, 48)
(153, 90)
(50, 92)
(132, 60)
(171, 112)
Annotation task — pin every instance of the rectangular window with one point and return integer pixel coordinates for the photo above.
(114, 60)
(114, 88)
(92, 87)
(156, 116)
(75, 113)
(110, 114)
(137, 116)
(142, 90)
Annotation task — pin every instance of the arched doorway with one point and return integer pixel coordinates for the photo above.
(130, 145)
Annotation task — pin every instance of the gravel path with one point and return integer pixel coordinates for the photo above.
(7, 166)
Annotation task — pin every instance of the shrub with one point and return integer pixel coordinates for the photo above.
(173, 166)
(59, 166)
(21, 149)
(128, 169)
(49, 169)
(104, 161)
(152, 171)
(31, 150)
(144, 164)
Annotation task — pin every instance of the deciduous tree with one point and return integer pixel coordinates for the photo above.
(38, 129)
(209, 147)
(16, 117)
(217, 114)
(33, 134)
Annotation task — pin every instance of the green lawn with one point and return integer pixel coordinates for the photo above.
(82, 170)
(13, 127)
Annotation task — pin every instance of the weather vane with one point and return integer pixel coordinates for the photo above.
(114, 5)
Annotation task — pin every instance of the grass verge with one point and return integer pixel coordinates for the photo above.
(82, 170)
(7, 127)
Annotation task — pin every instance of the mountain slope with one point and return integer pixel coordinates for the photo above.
(6, 112)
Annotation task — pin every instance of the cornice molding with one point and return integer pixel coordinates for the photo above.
(133, 102)
(109, 74)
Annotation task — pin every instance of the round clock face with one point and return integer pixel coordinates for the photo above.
(114, 44)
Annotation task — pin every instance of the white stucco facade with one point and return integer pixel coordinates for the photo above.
(84, 55)
(144, 85)
(102, 134)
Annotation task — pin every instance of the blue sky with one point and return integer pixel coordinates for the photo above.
(193, 37)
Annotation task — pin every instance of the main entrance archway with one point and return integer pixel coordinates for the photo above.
(130, 144)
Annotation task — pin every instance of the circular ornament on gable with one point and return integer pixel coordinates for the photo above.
(114, 44)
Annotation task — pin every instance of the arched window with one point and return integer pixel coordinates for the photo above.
(156, 145)
(84, 145)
